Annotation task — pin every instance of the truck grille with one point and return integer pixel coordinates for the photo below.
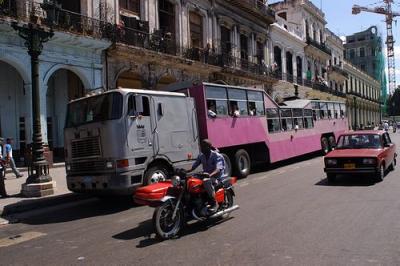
(90, 166)
(83, 148)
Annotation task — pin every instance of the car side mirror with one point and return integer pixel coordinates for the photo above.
(386, 145)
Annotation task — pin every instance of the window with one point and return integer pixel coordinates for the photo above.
(323, 112)
(166, 17)
(131, 5)
(342, 110)
(132, 106)
(196, 30)
(237, 102)
(316, 112)
(217, 100)
(362, 52)
(273, 120)
(298, 118)
(352, 54)
(308, 118)
(336, 110)
(287, 120)
(256, 103)
(331, 110)
(244, 47)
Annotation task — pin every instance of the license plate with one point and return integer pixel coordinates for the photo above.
(349, 166)
(87, 179)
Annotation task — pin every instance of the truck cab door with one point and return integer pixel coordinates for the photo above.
(139, 131)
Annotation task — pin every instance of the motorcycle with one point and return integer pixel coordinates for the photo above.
(183, 198)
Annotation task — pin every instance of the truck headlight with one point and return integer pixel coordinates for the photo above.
(331, 162)
(109, 164)
(369, 161)
(68, 167)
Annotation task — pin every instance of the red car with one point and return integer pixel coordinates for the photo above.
(361, 152)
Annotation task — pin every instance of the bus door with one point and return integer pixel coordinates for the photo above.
(139, 127)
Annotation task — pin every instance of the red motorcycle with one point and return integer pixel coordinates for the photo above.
(183, 198)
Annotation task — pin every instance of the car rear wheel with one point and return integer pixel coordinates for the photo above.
(380, 175)
(393, 165)
(331, 177)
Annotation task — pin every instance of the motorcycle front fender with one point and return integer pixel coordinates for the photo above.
(167, 198)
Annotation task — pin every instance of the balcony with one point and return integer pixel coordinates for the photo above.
(337, 74)
(321, 46)
(52, 15)
(257, 8)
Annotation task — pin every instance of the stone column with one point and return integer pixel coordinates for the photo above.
(283, 56)
(294, 64)
(152, 11)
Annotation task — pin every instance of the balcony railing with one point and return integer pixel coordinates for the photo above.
(254, 5)
(320, 46)
(338, 69)
(52, 15)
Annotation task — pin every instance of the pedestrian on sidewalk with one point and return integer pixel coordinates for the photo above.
(10, 159)
(3, 192)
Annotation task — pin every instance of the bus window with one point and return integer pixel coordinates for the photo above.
(316, 113)
(323, 112)
(308, 118)
(217, 100)
(273, 120)
(331, 110)
(337, 110)
(237, 102)
(342, 110)
(298, 118)
(287, 120)
(256, 103)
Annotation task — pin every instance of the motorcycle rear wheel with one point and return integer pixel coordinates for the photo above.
(163, 224)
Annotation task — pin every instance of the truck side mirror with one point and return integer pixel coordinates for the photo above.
(160, 110)
(139, 104)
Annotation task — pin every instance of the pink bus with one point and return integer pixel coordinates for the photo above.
(248, 126)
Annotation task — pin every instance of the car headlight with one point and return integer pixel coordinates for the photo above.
(175, 180)
(369, 161)
(331, 162)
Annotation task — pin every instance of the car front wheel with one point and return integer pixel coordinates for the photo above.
(380, 175)
(331, 177)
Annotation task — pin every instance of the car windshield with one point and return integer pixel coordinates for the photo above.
(359, 141)
(94, 109)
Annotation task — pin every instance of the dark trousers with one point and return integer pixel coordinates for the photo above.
(2, 185)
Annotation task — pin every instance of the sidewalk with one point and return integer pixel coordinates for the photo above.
(17, 203)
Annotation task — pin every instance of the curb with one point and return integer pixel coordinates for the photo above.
(41, 203)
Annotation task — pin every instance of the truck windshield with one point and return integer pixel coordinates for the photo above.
(94, 109)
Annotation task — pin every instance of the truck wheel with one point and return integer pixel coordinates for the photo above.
(242, 163)
(332, 143)
(324, 145)
(155, 174)
(228, 165)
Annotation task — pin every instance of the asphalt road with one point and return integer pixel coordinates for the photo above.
(289, 215)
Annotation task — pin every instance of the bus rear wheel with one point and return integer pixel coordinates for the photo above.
(242, 163)
(228, 165)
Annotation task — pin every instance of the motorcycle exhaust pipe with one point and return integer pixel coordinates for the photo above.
(223, 212)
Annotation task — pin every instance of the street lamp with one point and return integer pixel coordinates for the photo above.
(39, 180)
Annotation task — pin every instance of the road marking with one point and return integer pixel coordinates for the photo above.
(16, 239)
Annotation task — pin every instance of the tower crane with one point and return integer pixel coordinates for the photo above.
(389, 15)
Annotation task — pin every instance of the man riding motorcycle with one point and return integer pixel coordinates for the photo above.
(214, 166)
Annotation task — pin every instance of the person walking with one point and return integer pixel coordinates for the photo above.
(3, 192)
(10, 159)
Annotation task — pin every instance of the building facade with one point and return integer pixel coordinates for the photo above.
(363, 98)
(70, 64)
(158, 42)
(365, 50)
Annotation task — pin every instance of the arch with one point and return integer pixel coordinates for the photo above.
(21, 69)
(165, 80)
(129, 78)
(75, 70)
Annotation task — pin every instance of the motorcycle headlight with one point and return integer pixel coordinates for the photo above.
(176, 180)
(331, 162)
(369, 161)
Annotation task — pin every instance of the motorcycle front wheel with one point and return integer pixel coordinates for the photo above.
(164, 225)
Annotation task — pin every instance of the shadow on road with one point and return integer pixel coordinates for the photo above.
(91, 208)
(348, 181)
(145, 230)
(262, 167)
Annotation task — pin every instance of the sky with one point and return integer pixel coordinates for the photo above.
(342, 22)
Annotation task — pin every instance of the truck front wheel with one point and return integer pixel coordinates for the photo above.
(155, 174)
